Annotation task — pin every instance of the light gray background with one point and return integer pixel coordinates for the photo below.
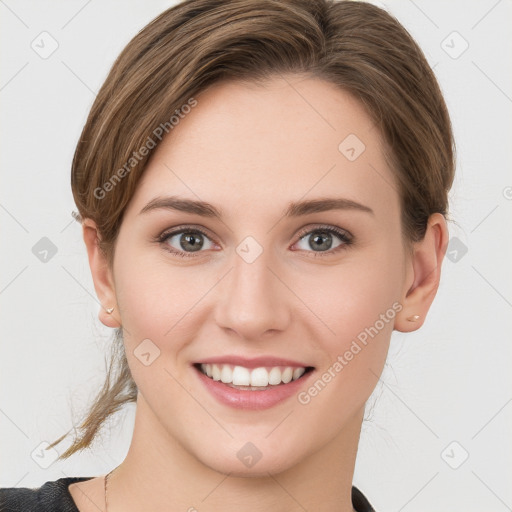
(449, 381)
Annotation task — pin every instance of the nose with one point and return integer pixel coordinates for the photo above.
(252, 300)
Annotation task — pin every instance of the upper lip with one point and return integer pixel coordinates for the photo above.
(255, 362)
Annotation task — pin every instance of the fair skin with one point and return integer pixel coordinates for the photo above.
(250, 151)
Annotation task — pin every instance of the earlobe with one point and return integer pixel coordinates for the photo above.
(424, 275)
(101, 275)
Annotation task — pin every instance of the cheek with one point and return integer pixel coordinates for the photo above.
(154, 296)
(155, 301)
(357, 304)
(356, 351)
(352, 296)
(161, 303)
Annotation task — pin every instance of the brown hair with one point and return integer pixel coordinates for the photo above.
(189, 47)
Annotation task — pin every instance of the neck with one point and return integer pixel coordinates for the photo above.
(159, 473)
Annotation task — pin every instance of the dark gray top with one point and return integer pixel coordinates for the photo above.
(54, 496)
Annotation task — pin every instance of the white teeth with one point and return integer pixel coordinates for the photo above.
(214, 370)
(298, 372)
(274, 376)
(261, 377)
(288, 375)
(226, 374)
(241, 376)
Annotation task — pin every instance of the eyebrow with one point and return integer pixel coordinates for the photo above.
(294, 209)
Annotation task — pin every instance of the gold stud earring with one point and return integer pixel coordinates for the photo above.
(414, 318)
(109, 310)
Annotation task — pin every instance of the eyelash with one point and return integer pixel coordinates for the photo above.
(343, 235)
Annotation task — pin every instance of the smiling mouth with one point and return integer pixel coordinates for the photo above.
(252, 379)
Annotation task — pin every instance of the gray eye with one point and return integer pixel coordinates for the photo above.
(189, 241)
(318, 240)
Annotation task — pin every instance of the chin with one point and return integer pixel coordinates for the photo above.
(249, 460)
(237, 470)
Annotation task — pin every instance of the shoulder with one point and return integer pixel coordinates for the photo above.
(52, 496)
(360, 502)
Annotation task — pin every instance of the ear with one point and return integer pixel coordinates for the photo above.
(423, 275)
(101, 275)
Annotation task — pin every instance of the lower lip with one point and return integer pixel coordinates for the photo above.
(253, 400)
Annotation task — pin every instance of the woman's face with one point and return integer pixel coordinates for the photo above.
(266, 279)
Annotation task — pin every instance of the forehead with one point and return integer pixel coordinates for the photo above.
(269, 144)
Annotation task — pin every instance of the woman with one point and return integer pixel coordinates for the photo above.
(262, 187)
